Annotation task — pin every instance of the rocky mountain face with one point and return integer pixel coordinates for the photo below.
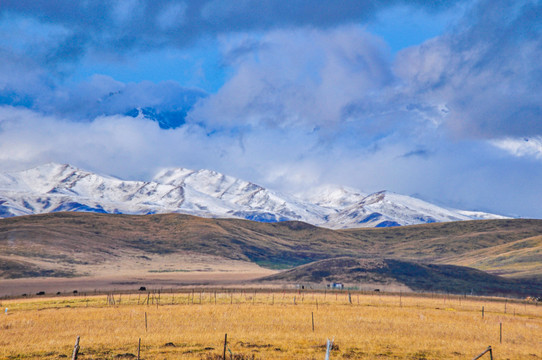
(55, 187)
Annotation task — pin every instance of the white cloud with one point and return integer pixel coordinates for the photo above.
(521, 147)
(301, 77)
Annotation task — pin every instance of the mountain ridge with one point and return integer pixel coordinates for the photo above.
(61, 187)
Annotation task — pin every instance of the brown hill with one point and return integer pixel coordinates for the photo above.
(61, 244)
(404, 275)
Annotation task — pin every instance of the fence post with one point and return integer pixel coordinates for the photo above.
(75, 349)
(225, 344)
(329, 346)
(484, 352)
(138, 348)
(312, 315)
(500, 332)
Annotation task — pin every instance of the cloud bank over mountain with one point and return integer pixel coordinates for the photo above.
(285, 95)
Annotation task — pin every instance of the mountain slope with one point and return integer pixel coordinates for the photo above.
(74, 242)
(55, 187)
(414, 275)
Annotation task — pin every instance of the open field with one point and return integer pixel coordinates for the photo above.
(269, 325)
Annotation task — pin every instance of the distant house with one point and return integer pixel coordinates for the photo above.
(335, 286)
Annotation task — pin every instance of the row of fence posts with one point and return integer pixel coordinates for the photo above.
(329, 346)
(153, 298)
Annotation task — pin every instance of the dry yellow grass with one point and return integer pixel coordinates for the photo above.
(270, 326)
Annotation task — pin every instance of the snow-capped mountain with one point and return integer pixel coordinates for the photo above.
(55, 187)
(383, 209)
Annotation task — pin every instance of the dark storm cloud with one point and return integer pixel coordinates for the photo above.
(134, 24)
(102, 95)
(488, 71)
(42, 42)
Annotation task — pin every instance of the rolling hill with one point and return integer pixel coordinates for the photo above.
(76, 244)
(399, 274)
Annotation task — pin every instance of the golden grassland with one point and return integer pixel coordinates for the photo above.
(269, 325)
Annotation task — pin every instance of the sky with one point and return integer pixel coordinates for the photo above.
(441, 100)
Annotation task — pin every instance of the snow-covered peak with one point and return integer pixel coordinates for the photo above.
(174, 176)
(206, 181)
(332, 196)
(40, 179)
(61, 187)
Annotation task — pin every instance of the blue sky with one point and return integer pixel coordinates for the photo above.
(441, 100)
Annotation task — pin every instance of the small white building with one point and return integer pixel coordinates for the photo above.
(335, 286)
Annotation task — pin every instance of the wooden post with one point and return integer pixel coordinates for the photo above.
(505, 302)
(215, 297)
(312, 315)
(273, 300)
(145, 321)
(500, 332)
(225, 343)
(138, 348)
(482, 312)
(488, 350)
(316, 304)
(75, 349)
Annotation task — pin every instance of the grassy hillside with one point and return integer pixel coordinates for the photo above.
(67, 243)
(413, 275)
